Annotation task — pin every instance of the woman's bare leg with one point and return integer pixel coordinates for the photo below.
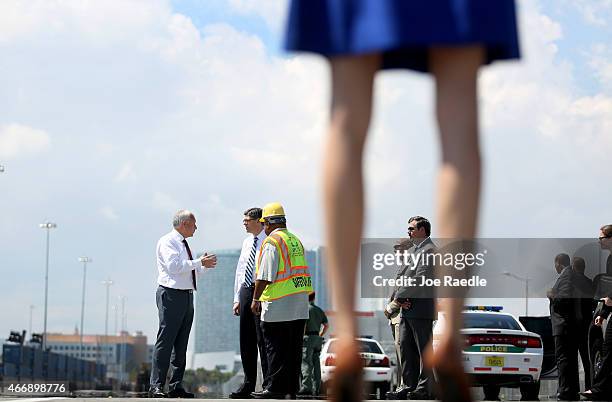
(352, 82)
(456, 73)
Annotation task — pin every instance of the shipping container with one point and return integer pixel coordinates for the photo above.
(52, 362)
(10, 353)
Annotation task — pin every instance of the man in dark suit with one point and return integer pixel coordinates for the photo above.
(583, 305)
(251, 335)
(564, 323)
(417, 314)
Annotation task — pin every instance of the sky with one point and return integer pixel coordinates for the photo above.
(115, 113)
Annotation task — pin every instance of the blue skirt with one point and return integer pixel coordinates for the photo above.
(402, 31)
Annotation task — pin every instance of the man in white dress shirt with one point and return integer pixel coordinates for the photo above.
(177, 280)
(251, 337)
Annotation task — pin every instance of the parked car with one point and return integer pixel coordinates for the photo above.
(377, 370)
(499, 351)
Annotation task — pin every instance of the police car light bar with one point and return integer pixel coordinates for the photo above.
(484, 308)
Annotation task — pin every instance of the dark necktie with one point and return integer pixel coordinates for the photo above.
(193, 276)
(248, 272)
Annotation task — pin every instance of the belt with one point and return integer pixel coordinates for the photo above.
(248, 287)
(312, 333)
(178, 290)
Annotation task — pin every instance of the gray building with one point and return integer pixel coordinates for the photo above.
(316, 264)
(216, 328)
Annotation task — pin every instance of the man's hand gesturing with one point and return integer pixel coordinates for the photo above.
(209, 260)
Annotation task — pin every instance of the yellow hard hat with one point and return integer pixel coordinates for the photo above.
(272, 209)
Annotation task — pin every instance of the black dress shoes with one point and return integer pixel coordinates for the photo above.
(156, 392)
(180, 393)
(595, 396)
(241, 395)
(400, 394)
(419, 395)
(267, 394)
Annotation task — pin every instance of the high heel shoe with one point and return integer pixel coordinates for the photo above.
(346, 382)
(453, 384)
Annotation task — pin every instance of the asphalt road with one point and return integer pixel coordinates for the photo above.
(62, 399)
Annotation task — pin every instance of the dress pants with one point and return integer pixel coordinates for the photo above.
(602, 383)
(583, 350)
(251, 342)
(284, 347)
(415, 335)
(566, 353)
(395, 331)
(175, 310)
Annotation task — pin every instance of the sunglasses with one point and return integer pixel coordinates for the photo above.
(604, 237)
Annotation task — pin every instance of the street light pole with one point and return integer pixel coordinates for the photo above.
(47, 225)
(84, 260)
(123, 340)
(116, 311)
(108, 284)
(526, 280)
(30, 327)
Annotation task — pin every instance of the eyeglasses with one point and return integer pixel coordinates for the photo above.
(412, 228)
(604, 237)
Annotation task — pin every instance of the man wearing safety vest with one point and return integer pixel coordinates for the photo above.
(281, 298)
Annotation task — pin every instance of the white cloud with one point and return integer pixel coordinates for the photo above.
(594, 12)
(540, 92)
(97, 24)
(18, 140)
(103, 148)
(166, 202)
(126, 173)
(272, 11)
(109, 213)
(601, 63)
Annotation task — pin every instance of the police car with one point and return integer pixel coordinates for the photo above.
(498, 351)
(377, 370)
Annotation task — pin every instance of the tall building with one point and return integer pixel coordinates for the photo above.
(216, 328)
(316, 265)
